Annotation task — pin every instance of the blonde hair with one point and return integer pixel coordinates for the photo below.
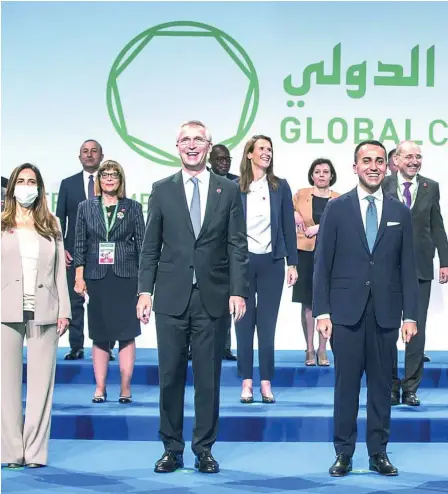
(116, 167)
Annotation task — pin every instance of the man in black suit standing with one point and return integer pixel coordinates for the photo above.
(422, 196)
(195, 256)
(72, 191)
(364, 285)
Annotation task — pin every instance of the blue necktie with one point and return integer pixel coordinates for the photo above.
(371, 222)
(195, 212)
(91, 188)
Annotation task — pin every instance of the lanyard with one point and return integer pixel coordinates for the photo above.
(106, 220)
(401, 196)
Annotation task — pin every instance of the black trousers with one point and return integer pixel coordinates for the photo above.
(227, 323)
(76, 328)
(266, 278)
(195, 328)
(414, 352)
(368, 348)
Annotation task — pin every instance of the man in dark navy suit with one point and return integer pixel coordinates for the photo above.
(364, 285)
(72, 191)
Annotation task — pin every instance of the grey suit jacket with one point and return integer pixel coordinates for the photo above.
(52, 300)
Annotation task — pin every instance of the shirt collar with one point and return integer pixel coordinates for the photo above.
(402, 180)
(362, 194)
(87, 174)
(203, 176)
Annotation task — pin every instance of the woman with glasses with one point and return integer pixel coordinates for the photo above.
(271, 237)
(108, 241)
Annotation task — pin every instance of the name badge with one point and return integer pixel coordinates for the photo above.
(106, 253)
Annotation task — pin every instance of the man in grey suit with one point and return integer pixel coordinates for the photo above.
(195, 256)
(422, 196)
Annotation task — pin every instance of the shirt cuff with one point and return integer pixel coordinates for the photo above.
(323, 316)
(144, 293)
(409, 320)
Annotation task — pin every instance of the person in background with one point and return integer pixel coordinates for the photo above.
(422, 196)
(108, 242)
(4, 186)
(72, 191)
(271, 236)
(35, 305)
(391, 163)
(220, 161)
(309, 204)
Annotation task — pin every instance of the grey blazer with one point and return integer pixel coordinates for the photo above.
(52, 300)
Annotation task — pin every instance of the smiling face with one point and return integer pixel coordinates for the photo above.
(370, 166)
(408, 160)
(193, 145)
(261, 156)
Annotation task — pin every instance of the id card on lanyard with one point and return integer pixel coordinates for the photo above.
(106, 254)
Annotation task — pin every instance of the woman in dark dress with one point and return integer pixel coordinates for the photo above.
(309, 204)
(109, 237)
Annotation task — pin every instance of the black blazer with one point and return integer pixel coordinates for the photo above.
(283, 226)
(71, 193)
(127, 234)
(346, 273)
(171, 252)
(429, 231)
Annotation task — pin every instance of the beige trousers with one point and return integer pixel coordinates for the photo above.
(26, 441)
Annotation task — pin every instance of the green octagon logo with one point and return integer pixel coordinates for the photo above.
(196, 29)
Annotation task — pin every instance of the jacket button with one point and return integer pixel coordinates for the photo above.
(40, 286)
(367, 283)
(191, 267)
(372, 263)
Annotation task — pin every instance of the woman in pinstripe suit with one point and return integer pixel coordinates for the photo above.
(108, 241)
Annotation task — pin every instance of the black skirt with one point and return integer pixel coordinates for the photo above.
(111, 311)
(302, 291)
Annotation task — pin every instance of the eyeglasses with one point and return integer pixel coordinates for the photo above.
(196, 142)
(113, 175)
(410, 157)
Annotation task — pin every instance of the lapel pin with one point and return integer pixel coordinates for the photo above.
(218, 191)
(120, 215)
(425, 185)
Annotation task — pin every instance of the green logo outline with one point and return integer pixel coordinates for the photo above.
(137, 44)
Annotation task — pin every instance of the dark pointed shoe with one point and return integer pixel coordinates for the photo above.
(99, 399)
(410, 399)
(395, 398)
(74, 354)
(228, 355)
(205, 463)
(342, 466)
(125, 400)
(380, 463)
(169, 462)
(426, 358)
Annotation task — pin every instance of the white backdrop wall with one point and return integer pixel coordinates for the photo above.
(311, 75)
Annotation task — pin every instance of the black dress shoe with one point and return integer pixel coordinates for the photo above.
(34, 465)
(228, 355)
(410, 399)
(380, 463)
(426, 358)
(342, 466)
(205, 463)
(74, 354)
(170, 462)
(395, 398)
(111, 356)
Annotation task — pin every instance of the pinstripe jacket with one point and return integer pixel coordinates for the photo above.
(127, 233)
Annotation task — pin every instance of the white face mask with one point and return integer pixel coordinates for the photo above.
(25, 194)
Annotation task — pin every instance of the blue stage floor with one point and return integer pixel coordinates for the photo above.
(87, 467)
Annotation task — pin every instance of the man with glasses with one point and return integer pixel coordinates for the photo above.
(422, 196)
(195, 257)
(72, 191)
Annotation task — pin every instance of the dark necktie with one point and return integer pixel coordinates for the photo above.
(407, 194)
(195, 212)
(91, 188)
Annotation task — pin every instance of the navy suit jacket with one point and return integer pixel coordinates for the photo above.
(127, 233)
(71, 193)
(283, 226)
(346, 273)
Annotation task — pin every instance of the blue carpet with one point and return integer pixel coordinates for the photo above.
(81, 467)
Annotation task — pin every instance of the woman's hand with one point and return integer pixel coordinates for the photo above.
(311, 231)
(62, 326)
(291, 276)
(80, 287)
(300, 224)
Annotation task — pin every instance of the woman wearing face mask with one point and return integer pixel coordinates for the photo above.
(35, 304)
(271, 237)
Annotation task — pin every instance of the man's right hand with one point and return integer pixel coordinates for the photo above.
(68, 259)
(144, 307)
(325, 328)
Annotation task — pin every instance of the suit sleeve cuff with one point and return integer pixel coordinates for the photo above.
(323, 316)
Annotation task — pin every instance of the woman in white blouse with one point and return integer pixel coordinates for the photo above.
(271, 236)
(35, 304)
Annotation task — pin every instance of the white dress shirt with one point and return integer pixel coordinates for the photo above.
(85, 177)
(29, 253)
(412, 188)
(203, 184)
(364, 203)
(258, 217)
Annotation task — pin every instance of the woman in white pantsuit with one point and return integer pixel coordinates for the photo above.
(35, 304)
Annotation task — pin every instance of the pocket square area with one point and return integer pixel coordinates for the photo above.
(393, 223)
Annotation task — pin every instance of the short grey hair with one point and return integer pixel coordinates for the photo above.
(402, 143)
(196, 123)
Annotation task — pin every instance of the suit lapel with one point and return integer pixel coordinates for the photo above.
(122, 211)
(274, 199)
(384, 216)
(97, 211)
(422, 192)
(82, 190)
(213, 197)
(359, 225)
(181, 199)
